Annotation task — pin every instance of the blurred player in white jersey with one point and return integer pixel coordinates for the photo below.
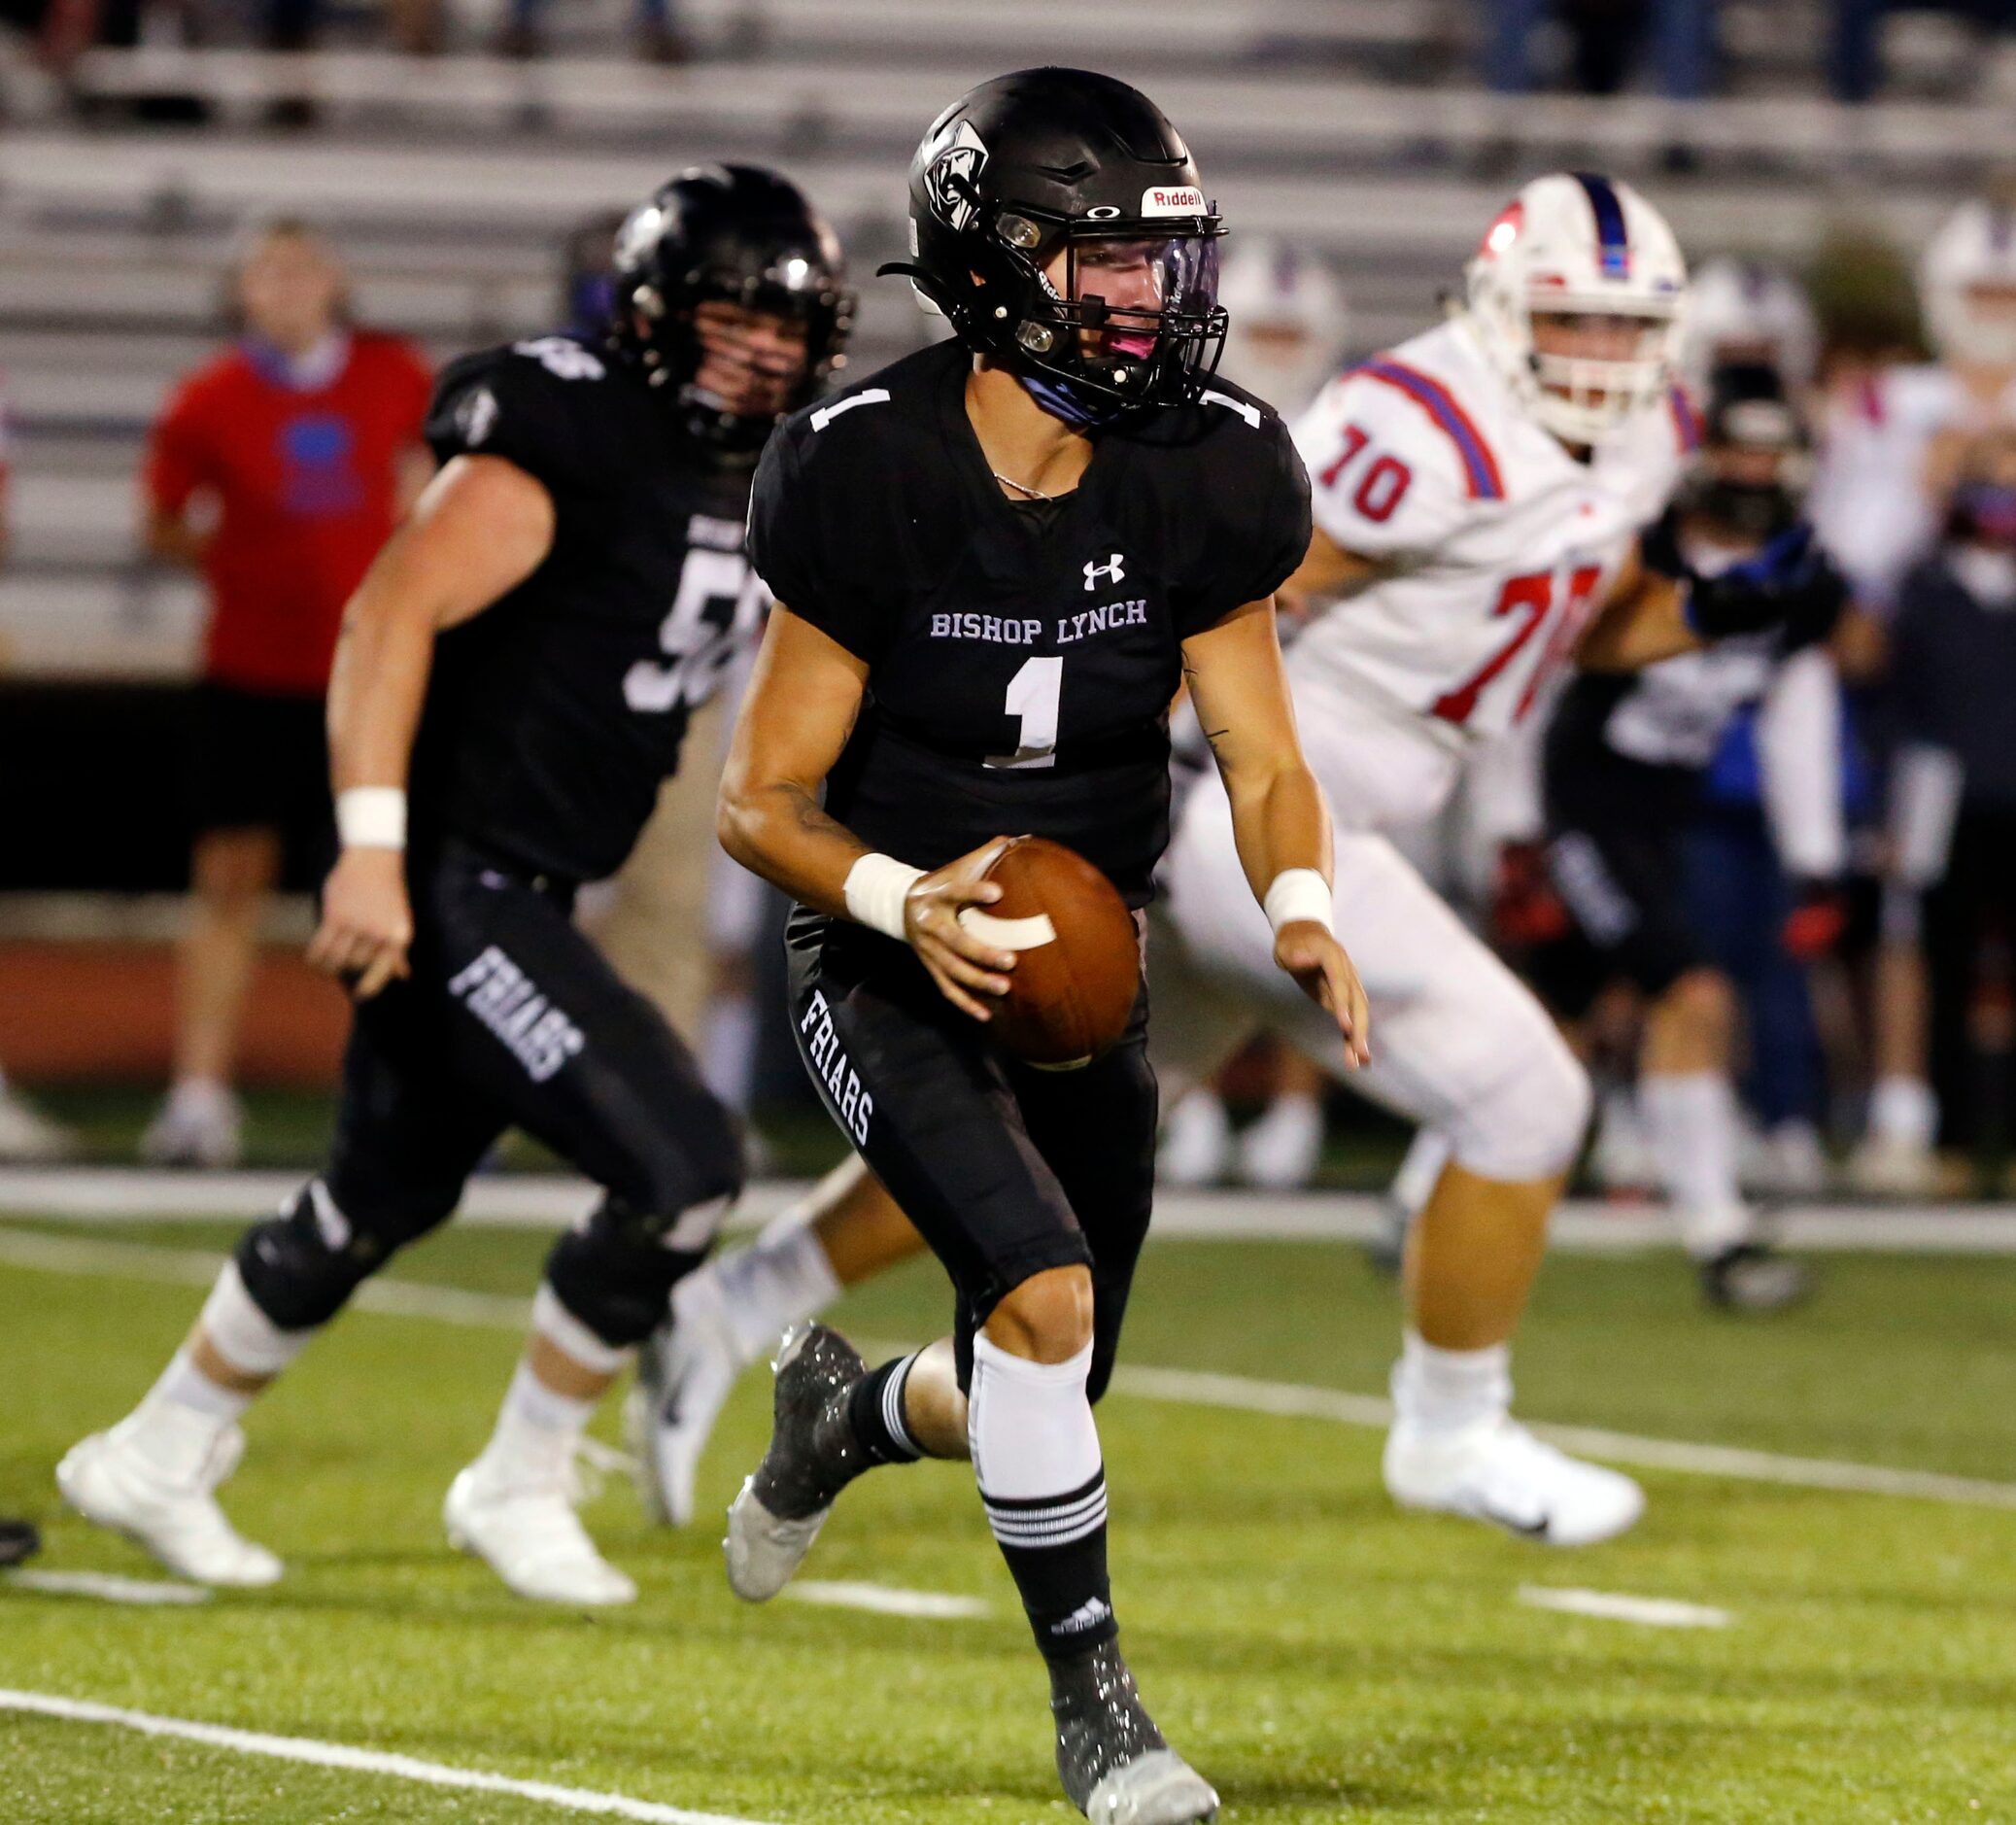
(1478, 497)
(1890, 461)
(1477, 494)
(1288, 317)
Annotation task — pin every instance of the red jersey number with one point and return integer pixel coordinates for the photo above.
(1383, 485)
(1529, 598)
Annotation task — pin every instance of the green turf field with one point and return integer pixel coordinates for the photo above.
(1317, 1655)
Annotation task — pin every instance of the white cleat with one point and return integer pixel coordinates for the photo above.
(28, 1137)
(1279, 1152)
(1158, 1788)
(761, 1549)
(1496, 1470)
(1894, 1165)
(528, 1532)
(1196, 1143)
(200, 1125)
(113, 1483)
(685, 1374)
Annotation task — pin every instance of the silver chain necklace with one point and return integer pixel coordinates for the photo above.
(1020, 487)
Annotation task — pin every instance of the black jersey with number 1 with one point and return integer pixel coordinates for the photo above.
(1021, 658)
(552, 717)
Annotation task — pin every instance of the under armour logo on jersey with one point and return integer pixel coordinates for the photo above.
(1113, 572)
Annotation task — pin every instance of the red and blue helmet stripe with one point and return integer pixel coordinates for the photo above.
(1613, 243)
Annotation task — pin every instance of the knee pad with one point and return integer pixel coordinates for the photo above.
(616, 1272)
(301, 1266)
(1528, 1122)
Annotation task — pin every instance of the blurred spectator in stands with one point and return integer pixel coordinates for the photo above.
(1953, 674)
(26, 1135)
(588, 279)
(1605, 38)
(276, 472)
(656, 33)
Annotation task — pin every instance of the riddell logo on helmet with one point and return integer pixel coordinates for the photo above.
(1183, 200)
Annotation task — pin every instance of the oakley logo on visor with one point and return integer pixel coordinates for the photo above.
(1183, 200)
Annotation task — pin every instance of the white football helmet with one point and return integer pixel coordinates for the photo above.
(1577, 244)
(1746, 310)
(1967, 285)
(1288, 318)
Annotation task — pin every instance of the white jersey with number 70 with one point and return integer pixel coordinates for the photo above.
(1495, 544)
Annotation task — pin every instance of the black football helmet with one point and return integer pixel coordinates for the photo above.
(1051, 160)
(1756, 460)
(743, 236)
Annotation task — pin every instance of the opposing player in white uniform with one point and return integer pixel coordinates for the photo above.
(1479, 493)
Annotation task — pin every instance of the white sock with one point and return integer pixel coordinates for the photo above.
(1447, 1390)
(1427, 1156)
(180, 1419)
(202, 1096)
(1032, 1434)
(1694, 1129)
(779, 1280)
(538, 1428)
(1903, 1109)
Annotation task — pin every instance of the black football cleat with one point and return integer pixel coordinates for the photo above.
(812, 1458)
(1114, 1765)
(1754, 1276)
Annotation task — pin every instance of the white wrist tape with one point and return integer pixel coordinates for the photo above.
(372, 817)
(1298, 893)
(878, 887)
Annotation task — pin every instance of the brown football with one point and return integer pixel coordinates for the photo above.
(1077, 954)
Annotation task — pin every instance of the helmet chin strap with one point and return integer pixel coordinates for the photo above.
(1057, 398)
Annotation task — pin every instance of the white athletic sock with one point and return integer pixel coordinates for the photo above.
(1443, 1391)
(1903, 1109)
(1694, 1135)
(538, 1429)
(1031, 1428)
(779, 1280)
(1427, 1156)
(176, 1425)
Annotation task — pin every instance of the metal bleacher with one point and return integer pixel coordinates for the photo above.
(1355, 126)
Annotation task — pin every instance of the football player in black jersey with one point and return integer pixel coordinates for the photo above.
(1624, 762)
(513, 681)
(994, 563)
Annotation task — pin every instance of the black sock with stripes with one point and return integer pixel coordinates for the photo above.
(1055, 1550)
(876, 1413)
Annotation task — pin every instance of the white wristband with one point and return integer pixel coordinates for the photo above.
(877, 885)
(372, 817)
(1298, 893)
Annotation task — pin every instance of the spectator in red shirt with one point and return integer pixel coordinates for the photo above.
(276, 472)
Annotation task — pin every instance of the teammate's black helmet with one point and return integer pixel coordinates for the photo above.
(1051, 159)
(745, 235)
(1756, 458)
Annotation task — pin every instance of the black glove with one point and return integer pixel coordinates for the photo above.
(1791, 585)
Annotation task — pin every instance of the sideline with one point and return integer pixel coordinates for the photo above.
(551, 1200)
(360, 1761)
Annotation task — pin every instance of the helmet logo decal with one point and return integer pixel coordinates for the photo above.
(1105, 212)
(1113, 572)
(1162, 200)
(952, 175)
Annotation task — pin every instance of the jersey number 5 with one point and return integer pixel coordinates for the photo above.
(714, 608)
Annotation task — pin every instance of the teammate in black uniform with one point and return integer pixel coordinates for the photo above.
(995, 562)
(1623, 767)
(518, 666)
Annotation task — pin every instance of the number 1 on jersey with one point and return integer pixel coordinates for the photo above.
(1033, 696)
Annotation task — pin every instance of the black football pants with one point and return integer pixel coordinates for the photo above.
(511, 1019)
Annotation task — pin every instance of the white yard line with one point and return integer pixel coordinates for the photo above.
(549, 1201)
(148, 1593)
(361, 1761)
(1649, 1612)
(885, 1599)
(1195, 1388)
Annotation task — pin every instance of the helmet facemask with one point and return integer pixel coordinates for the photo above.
(1131, 317)
(1582, 396)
